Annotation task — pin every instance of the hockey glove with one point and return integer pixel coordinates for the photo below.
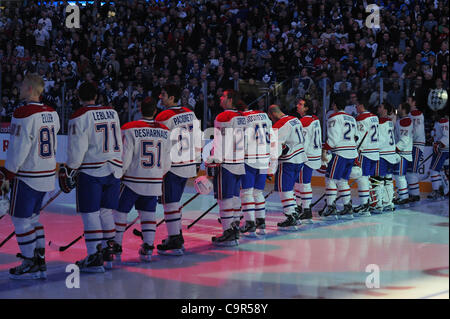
(5, 177)
(285, 150)
(67, 178)
(436, 147)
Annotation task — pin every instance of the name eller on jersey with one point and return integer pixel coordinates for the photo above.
(47, 118)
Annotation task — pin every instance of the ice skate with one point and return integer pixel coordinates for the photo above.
(92, 263)
(228, 239)
(362, 210)
(173, 246)
(145, 252)
(249, 229)
(330, 213)
(289, 224)
(29, 269)
(347, 212)
(261, 226)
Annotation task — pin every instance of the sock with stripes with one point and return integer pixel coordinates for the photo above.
(331, 191)
(344, 191)
(93, 231)
(237, 209)
(413, 183)
(172, 218)
(108, 225)
(363, 189)
(306, 194)
(226, 212)
(120, 219)
(148, 226)
(297, 191)
(248, 204)
(402, 186)
(436, 180)
(389, 190)
(26, 235)
(288, 202)
(39, 228)
(260, 204)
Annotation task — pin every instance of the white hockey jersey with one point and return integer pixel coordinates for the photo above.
(291, 149)
(418, 129)
(185, 137)
(257, 139)
(441, 133)
(341, 131)
(387, 140)
(312, 133)
(146, 156)
(94, 141)
(32, 146)
(229, 140)
(404, 137)
(368, 123)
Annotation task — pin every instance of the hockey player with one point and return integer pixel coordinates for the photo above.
(412, 174)
(94, 154)
(369, 154)
(31, 165)
(313, 148)
(257, 158)
(404, 144)
(228, 159)
(185, 136)
(289, 133)
(440, 155)
(146, 158)
(388, 159)
(341, 132)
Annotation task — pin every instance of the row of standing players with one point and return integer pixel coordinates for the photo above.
(114, 169)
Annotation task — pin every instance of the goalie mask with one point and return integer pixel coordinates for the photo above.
(203, 185)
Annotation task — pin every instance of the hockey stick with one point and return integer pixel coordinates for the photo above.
(187, 202)
(51, 199)
(212, 207)
(63, 248)
(138, 233)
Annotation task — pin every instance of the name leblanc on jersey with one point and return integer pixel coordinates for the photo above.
(103, 115)
(183, 118)
(147, 132)
(47, 118)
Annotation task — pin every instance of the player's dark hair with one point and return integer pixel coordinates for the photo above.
(173, 90)
(87, 91)
(388, 107)
(310, 106)
(148, 107)
(235, 98)
(340, 102)
(406, 107)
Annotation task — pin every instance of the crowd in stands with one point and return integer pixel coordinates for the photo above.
(308, 46)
